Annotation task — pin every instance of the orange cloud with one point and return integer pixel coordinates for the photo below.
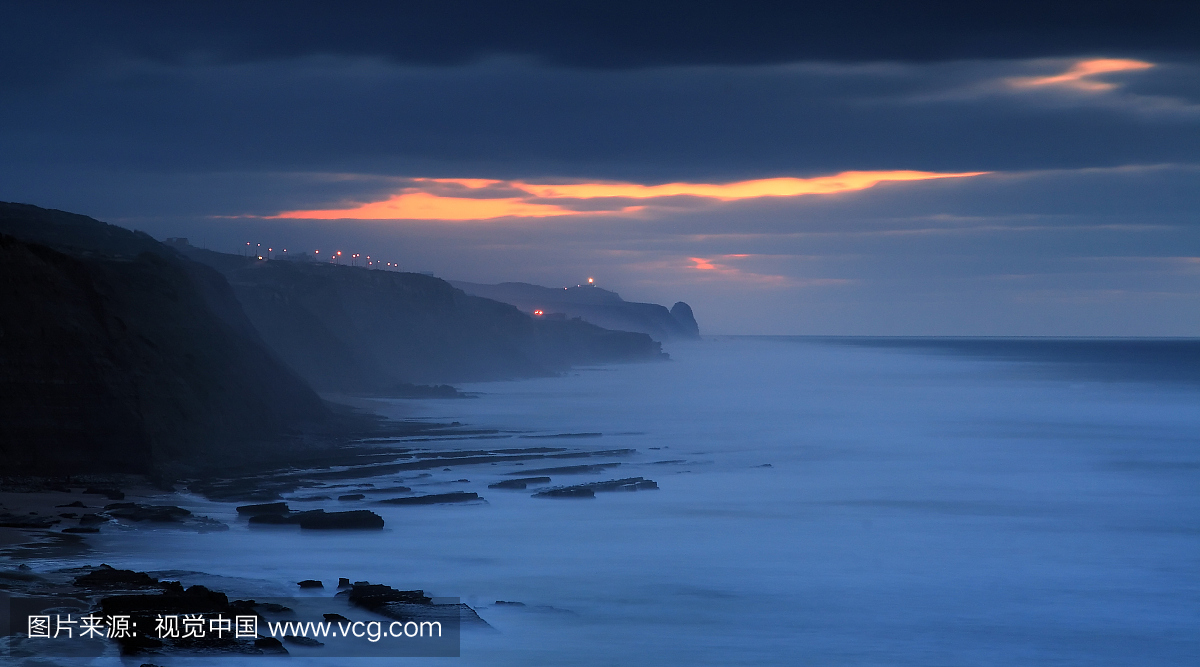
(483, 199)
(425, 206)
(768, 187)
(713, 269)
(1079, 76)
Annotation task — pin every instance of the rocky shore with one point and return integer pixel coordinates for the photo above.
(357, 488)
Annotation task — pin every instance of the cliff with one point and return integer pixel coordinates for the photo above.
(595, 305)
(352, 329)
(117, 354)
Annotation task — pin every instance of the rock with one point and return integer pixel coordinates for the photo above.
(331, 618)
(81, 529)
(686, 319)
(352, 496)
(91, 519)
(264, 508)
(434, 499)
(302, 641)
(373, 596)
(568, 492)
(357, 519)
(137, 512)
(519, 483)
(174, 599)
(311, 583)
(268, 643)
(107, 576)
(505, 603)
(589, 490)
(343, 582)
(111, 494)
(77, 503)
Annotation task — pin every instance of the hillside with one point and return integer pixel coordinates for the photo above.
(593, 304)
(117, 354)
(352, 329)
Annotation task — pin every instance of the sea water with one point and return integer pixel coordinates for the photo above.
(821, 502)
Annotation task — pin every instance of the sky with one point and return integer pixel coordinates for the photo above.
(852, 168)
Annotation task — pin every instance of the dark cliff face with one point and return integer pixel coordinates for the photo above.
(683, 315)
(593, 304)
(116, 354)
(358, 330)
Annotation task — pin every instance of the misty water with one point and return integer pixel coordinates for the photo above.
(922, 506)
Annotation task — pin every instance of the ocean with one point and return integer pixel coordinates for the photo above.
(821, 501)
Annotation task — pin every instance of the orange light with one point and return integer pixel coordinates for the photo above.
(426, 198)
(1079, 76)
(537, 313)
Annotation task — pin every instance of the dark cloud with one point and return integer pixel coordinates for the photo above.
(515, 119)
(46, 36)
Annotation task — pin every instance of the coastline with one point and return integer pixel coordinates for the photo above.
(56, 520)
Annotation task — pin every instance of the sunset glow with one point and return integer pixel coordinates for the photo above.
(768, 187)
(426, 206)
(1079, 75)
(468, 199)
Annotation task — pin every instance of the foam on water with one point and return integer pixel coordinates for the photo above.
(919, 509)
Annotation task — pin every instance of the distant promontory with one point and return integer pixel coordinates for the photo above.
(593, 304)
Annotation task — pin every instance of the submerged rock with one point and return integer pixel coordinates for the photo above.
(137, 512)
(353, 520)
(264, 508)
(589, 490)
(303, 641)
(434, 499)
(567, 492)
(107, 576)
(372, 596)
(519, 483)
